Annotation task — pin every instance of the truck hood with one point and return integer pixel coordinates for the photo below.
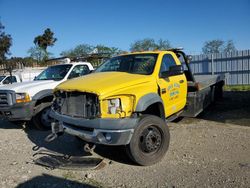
(32, 87)
(103, 83)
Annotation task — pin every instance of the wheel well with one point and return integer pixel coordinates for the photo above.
(156, 109)
(44, 100)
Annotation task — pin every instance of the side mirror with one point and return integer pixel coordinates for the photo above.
(173, 71)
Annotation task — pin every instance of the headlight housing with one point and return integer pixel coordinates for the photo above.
(117, 106)
(114, 106)
(22, 97)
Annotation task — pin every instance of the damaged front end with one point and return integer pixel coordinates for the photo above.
(79, 114)
(77, 104)
(73, 104)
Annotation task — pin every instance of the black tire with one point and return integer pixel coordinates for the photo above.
(150, 141)
(39, 120)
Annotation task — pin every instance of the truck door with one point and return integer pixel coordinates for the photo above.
(173, 89)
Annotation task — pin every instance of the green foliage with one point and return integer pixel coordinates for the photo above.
(5, 44)
(84, 49)
(237, 88)
(218, 46)
(45, 40)
(78, 51)
(39, 54)
(229, 47)
(163, 44)
(213, 46)
(108, 50)
(149, 44)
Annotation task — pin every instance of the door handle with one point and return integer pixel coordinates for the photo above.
(181, 81)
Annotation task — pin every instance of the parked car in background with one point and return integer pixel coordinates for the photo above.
(20, 75)
(28, 74)
(31, 101)
(7, 79)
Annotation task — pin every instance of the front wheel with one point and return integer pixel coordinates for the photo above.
(150, 141)
(42, 120)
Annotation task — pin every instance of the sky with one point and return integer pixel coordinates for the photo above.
(118, 23)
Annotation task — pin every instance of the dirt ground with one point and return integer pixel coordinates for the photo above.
(212, 150)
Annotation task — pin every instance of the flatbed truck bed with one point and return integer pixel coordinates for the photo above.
(203, 91)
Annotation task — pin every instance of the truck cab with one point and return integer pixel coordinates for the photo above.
(7, 79)
(128, 100)
(31, 101)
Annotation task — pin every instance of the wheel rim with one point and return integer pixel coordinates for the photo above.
(45, 119)
(150, 140)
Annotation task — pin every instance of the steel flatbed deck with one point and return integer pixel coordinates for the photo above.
(205, 90)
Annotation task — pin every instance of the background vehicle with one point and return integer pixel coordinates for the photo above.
(7, 79)
(32, 100)
(128, 99)
(28, 74)
(20, 75)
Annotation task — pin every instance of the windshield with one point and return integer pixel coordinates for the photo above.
(135, 64)
(57, 72)
(1, 78)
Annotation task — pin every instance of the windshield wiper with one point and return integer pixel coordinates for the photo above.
(57, 79)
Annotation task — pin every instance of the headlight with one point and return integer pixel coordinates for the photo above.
(117, 106)
(22, 97)
(114, 106)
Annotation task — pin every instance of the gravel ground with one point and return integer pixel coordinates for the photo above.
(212, 150)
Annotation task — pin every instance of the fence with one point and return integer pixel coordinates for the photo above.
(236, 63)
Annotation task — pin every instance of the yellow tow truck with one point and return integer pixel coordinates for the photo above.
(128, 100)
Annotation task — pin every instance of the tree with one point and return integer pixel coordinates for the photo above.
(78, 51)
(42, 42)
(111, 51)
(5, 44)
(99, 52)
(163, 44)
(39, 54)
(229, 47)
(149, 44)
(45, 40)
(84, 49)
(218, 46)
(213, 46)
(143, 45)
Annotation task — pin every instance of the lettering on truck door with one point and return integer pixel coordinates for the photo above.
(173, 89)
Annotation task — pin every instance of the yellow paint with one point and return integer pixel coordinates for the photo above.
(129, 88)
(173, 104)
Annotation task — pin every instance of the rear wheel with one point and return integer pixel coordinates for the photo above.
(42, 120)
(150, 141)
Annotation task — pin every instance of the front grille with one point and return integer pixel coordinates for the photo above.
(5, 99)
(77, 104)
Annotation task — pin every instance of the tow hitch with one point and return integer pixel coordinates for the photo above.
(57, 130)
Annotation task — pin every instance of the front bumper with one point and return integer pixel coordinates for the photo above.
(98, 130)
(18, 112)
